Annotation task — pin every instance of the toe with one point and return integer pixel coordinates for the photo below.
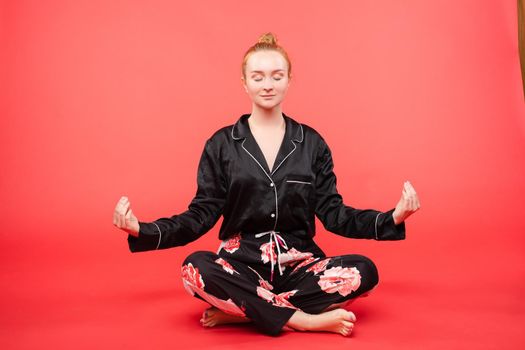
(348, 324)
(351, 316)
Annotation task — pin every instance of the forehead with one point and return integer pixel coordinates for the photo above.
(266, 61)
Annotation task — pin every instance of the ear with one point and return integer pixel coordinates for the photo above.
(244, 83)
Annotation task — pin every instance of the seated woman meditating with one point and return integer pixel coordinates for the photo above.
(269, 176)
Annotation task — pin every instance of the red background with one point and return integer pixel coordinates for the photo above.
(101, 99)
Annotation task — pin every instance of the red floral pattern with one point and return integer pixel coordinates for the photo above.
(228, 306)
(193, 283)
(304, 263)
(226, 266)
(280, 299)
(267, 249)
(318, 267)
(265, 284)
(293, 256)
(262, 282)
(233, 243)
(342, 280)
(191, 278)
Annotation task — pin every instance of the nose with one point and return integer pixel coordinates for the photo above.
(268, 85)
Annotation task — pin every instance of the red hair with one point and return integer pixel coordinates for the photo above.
(267, 41)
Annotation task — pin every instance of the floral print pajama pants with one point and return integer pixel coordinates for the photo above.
(268, 276)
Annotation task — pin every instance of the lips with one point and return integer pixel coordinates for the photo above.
(267, 95)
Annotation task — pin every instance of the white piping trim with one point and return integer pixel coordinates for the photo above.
(377, 216)
(274, 186)
(233, 127)
(302, 134)
(160, 235)
(299, 182)
(295, 146)
(274, 170)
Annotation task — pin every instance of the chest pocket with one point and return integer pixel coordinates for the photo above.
(299, 189)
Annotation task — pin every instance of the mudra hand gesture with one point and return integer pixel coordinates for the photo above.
(123, 217)
(407, 205)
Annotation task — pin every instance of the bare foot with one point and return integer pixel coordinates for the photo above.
(214, 316)
(337, 321)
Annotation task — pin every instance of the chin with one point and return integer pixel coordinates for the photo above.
(268, 105)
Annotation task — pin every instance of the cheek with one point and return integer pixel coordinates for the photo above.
(252, 90)
(282, 88)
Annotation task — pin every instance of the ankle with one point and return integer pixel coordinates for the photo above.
(300, 321)
(308, 323)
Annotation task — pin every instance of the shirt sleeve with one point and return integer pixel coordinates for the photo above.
(342, 219)
(202, 214)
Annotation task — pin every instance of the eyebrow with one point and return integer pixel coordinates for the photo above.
(260, 71)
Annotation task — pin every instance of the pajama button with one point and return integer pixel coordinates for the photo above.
(273, 215)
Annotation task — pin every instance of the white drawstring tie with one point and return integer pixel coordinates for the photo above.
(274, 236)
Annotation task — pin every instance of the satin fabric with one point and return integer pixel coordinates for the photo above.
(234, 180)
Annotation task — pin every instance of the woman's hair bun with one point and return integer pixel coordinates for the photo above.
(266, 42)
(268, 38)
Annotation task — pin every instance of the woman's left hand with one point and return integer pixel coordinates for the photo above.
(407, 205)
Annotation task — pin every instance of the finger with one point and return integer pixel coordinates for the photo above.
(122, 216)
(408, 187)
(413, 195)
(121, 201)
(116, 212)
(408, 199)
(417, 200)
(117, 217)
(119, 206)
(405, 195)
(129, 218)
(412, 203)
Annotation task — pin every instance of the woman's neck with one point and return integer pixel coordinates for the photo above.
(266, 118)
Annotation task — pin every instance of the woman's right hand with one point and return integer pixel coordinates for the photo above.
(124, 219)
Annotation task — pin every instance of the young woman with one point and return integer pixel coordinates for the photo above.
(269, 176)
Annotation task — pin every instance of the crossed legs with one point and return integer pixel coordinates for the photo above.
(333, 319)
(229, 289)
